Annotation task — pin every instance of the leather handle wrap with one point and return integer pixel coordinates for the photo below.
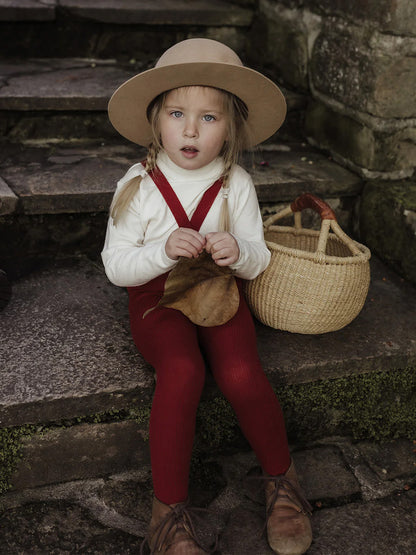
(308, 200)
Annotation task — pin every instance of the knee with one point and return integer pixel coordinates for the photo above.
(182, 376)
(240, 382)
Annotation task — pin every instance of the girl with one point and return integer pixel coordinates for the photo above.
(195, 111)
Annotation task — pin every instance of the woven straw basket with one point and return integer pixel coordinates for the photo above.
(317, 281)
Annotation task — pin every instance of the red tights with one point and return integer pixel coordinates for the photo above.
(173, 346)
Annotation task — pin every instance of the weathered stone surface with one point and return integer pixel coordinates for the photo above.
(23, 10)
(388, 223)
(68, 85)
(77, 186)
(76, 179)
(8, 200)
(163, 12)
(59, 354)
(377, 527)
(60, 527)
(70, 329)
(325, 477)
(370, 151)
(110, 515)
(395, 17)
(391, 460)
(347, 69)
(281, 44)
(80, 453)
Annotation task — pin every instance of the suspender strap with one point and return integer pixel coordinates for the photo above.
(176, 207)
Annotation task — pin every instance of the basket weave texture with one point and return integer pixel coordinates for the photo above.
(316, 282)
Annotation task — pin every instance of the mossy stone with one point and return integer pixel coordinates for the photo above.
(388, 223)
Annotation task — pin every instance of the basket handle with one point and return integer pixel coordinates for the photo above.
(328, 220)
(308, 200)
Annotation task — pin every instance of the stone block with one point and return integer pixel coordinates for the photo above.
(66, 349)
(62, 527)
(346, 530)
(324, 476)
(388, 223)
(346, 68)
(8, 200)
(80, 452)
(59, 85)
(369, 149)
(391, 460)
(163, 12)
(281, 45)
(396, 17)
(27, 10)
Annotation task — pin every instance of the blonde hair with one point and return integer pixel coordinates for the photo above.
(238, 138)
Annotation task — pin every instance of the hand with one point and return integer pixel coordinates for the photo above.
(184, 242)
(223, 248)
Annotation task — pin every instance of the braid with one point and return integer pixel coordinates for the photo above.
(152, 153)
(224, 223)
(124, 197)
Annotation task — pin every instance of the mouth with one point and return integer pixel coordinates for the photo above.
(189, 152)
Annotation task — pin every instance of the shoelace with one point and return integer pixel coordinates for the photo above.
(292, 493)
(179, 517)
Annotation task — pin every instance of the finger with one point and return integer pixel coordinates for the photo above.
(193, 237)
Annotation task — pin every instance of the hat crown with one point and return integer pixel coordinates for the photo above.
(199, 51)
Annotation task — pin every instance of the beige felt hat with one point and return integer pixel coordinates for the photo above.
(197, 62)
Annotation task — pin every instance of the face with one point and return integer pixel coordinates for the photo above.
(193, 126)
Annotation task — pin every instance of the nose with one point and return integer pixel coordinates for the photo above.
(190, 128)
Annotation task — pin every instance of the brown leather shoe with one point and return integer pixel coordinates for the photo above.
(289, 529)
(171, 531)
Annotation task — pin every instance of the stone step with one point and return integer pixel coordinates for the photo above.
(53, 179)
(360, 487)
(76, 396)
(122, 12)
(67, 353)
(121, 29)
(67, 98)
(54, 198)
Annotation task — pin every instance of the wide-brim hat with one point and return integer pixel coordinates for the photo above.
(203, 62)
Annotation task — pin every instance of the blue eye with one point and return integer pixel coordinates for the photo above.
(176, 114)
(208, 118)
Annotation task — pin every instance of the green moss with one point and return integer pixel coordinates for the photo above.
(216, 426)
(384, 226)
(375, 406)
(10, 452)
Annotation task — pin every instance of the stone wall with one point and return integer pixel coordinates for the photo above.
(357, 62)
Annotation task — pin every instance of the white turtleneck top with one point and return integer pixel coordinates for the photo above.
(134, 249)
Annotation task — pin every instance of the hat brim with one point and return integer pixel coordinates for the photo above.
(266, 104)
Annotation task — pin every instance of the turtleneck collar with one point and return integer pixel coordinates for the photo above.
(213, 170)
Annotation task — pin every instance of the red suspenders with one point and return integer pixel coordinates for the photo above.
(176, 207)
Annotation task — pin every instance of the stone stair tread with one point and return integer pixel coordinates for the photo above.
(27, 10)
(59, 84)
(82, 178)
(8, 200)
(70, 84)
(67, 351)
(163, 12)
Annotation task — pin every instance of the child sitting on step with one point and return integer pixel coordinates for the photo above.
(187, 212)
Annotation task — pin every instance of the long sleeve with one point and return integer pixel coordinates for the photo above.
(134, 249)
(131, 258)
(247, 227)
